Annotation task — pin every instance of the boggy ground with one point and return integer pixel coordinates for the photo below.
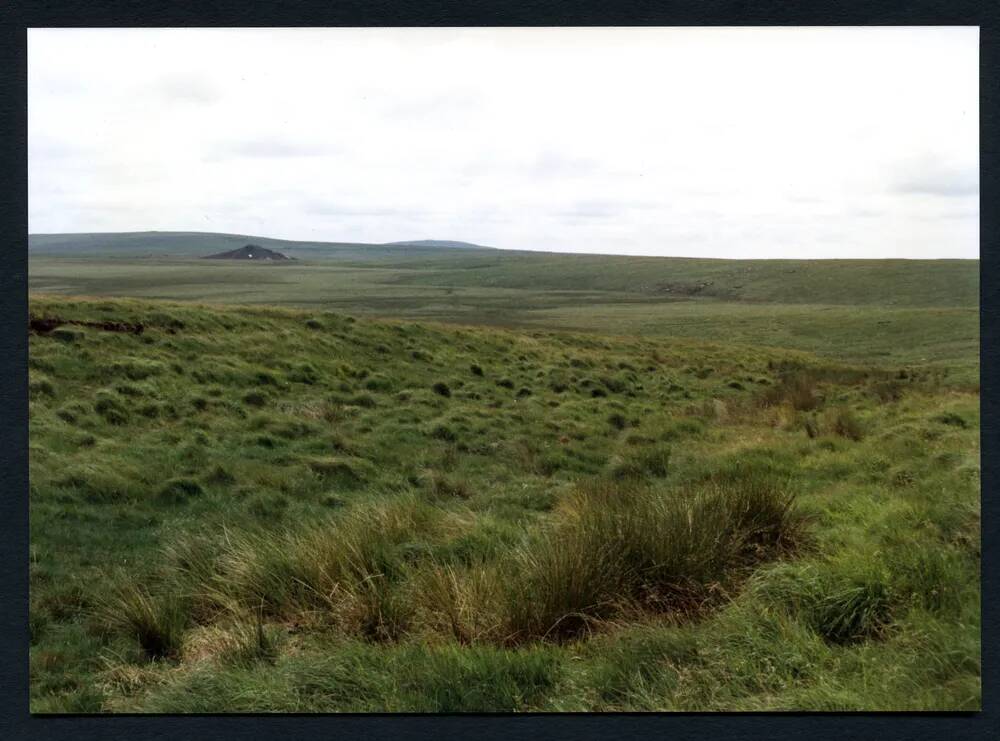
(274, 510)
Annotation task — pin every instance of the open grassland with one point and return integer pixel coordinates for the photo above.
(887, 312)
(886, 282)
(268, 509)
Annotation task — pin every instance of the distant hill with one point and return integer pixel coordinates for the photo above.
(450, 244)
(174, 244)
(249, 252)
(198, 244)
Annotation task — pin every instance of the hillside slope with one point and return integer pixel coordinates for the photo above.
(249, 509)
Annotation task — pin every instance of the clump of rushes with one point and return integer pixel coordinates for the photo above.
(618, 421)
(446, 486)
(366, 401)
(843, 605)
(950, 418)
(342, 572)
(846, 424)
(797, 388)
(619, 547)
(40, 385)
(249, 641)
(641, 461)
(254, 399)
(179, 490)
(443, 432)
(111, 408)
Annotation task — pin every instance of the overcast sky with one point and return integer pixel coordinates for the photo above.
(851, 142)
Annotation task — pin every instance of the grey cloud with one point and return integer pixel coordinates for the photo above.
(948, 214)
(274, 148)
(92, 207)
(52, 151)
(590, 212)
(558, 165)
(547, 164)
(326, 208)
(46, 147)
(440, 106)
(229, 208)
(930, 175)
(58, 85)
(962, 213)
(603, 208)
(187, 88)
(490, 216)
(266, 148)
(831, 237)
(591, 209)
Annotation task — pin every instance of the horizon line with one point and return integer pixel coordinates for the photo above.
(406, 242)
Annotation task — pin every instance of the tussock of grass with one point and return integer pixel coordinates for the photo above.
(348, 471)
(639, 462)
(254, 399)
(156, 623)
(797, 389)
(951, 418)
(846, 424)
(249, 641)
(616, 548)
(841, 607)
(39, 385)
(860, 597)
(180, 490)
(111, 408)
(340, 570)
(668, 549)
(446, 486)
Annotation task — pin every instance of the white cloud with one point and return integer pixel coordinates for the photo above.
(778, 142)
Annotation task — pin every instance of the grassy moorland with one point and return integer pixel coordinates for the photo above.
(276, 509)
(886, 312)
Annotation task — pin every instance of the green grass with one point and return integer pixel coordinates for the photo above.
(270, 509)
